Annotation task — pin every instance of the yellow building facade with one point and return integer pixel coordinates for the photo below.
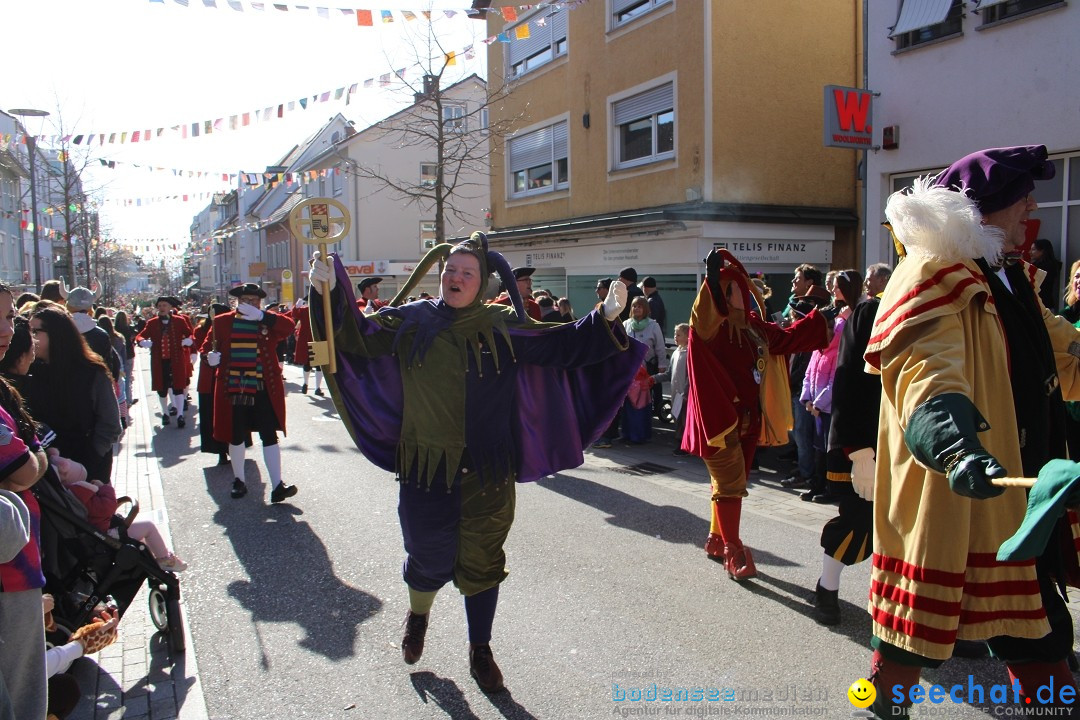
(646, 132)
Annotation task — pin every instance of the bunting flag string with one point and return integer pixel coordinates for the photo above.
(241, 120)
(249, 179)
(365, 17)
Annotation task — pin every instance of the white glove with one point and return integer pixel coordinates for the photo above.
(615, 300)
(863, 472)
(213, 359)
(194, 358)
(322, 274)
(187, 342)
(145, 343)
(249, 312)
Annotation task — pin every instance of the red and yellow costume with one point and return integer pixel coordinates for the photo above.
(735, 370)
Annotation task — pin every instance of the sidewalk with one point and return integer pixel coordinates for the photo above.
(138, 677)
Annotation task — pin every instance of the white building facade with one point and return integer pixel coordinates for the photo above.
(955, 77)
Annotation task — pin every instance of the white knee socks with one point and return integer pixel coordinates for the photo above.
(830, 572)
(178, 402)
(272, 458)
(306, 374)
(236, 458)
(164, 400)
(318, 379)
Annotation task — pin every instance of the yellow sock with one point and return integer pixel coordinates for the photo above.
(420, 602)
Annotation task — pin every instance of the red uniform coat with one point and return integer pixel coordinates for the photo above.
(532, 308)
(274, 327)
(178, 329)
(206, 373)
(302, 318)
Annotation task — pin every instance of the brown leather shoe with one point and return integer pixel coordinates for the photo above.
(484, 670)
(412, 644)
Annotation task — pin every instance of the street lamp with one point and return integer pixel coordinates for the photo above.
(31, 146)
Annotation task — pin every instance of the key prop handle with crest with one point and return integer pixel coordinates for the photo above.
(311, 222)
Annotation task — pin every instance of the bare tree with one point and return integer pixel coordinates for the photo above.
(113, 264)
(69, 197)
(461, 140)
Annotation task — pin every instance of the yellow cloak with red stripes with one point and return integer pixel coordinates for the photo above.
(935, 578)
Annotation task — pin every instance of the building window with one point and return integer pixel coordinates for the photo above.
(921, 21)
(624, 11)
(539, 161)
(993, 11)
(429, 175)
(427, 235)
(336, 185)
(454, 118)
(483, 118)
(645, 127)
(546, 41)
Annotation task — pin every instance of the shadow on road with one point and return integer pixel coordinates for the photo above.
(449, 698)
(170, 444)
(854, 623)
(291, 578)
(669, 523)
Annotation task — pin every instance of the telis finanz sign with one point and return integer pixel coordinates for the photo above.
(848, 117)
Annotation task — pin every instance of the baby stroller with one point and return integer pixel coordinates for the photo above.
(85, 567)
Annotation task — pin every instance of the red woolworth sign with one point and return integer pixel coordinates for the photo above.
(848, 117)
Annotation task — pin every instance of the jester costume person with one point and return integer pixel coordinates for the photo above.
(461, 400)
(735, 370)
(973, 370)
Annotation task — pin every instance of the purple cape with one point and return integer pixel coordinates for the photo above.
(560, 411)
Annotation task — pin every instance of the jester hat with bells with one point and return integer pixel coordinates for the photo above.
(477, 323)
(734, 293)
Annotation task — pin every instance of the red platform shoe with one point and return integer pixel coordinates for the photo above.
(714, 548)
(740, 562)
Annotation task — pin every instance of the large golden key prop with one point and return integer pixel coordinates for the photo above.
(310, 222)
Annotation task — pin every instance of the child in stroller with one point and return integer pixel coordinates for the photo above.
(87, 567)
(101, 504)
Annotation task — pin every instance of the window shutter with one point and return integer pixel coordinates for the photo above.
(917, 14)
(557, 23)
(648, 103)
(539, 38)
(559, 143)
(530, 150)
(617, 6)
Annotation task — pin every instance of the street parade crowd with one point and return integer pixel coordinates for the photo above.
(909, 397)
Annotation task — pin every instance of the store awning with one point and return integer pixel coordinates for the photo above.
(916, 14)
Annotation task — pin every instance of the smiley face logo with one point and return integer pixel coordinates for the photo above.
(862, 693)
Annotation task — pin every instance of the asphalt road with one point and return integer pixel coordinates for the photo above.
(296, 610)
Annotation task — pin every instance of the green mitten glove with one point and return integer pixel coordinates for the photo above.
(1058, 487)
(942, 435)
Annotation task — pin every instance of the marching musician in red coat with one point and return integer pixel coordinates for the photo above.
(249, 391)
(205, 387)
(169, 337)
(302, 318)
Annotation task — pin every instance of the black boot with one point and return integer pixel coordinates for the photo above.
(826, 605)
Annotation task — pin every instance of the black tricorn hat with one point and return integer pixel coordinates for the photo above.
(368, 282)
(520, 272)
(174, 301)
(247, 289)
